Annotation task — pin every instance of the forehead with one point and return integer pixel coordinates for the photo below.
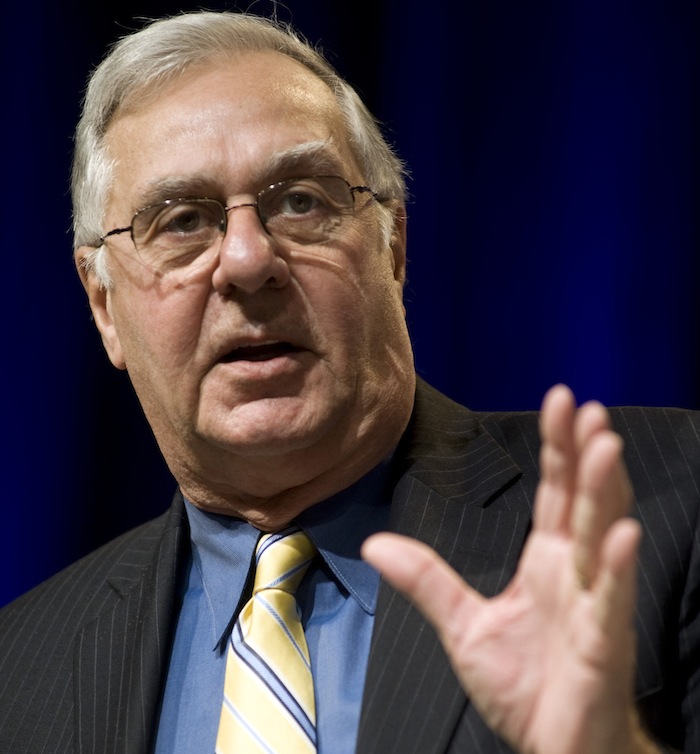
(235, 122)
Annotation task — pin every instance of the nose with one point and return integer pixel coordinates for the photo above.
(249, 257)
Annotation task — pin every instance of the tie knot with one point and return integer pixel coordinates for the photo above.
(281, 560)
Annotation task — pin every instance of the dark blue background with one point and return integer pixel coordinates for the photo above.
(553, 228)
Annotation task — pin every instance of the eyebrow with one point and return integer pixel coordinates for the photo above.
(310, 158)
(317, 156)
(161, 189)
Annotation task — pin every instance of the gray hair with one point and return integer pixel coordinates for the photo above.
(141, 64)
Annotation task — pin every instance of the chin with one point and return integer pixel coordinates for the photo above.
(271, 427)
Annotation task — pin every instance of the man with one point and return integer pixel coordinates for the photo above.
(240, 233)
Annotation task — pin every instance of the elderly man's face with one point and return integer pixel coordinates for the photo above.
(274, 363)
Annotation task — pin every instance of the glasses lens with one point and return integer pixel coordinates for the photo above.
(178, 231)
(306, 210)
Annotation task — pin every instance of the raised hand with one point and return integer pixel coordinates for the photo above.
(549, 662)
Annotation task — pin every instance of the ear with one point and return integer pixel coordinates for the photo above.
(99, 298)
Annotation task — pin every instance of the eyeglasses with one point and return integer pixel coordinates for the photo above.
(180, 232)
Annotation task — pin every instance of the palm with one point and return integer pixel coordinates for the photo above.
(535, 658)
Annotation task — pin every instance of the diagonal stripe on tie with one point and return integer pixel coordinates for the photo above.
(268, 702)
(290, 695)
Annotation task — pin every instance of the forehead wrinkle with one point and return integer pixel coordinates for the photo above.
(316, 157)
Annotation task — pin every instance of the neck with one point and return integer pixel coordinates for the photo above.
(275, 495)
(272, 490)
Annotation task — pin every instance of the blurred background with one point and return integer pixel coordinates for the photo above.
(554, 229)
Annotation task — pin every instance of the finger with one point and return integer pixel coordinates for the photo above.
(617, 583)
(591, 418)
(419, 573)
(558, 460)
(603, 495)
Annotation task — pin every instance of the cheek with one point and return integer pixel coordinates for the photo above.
(358, 307)
(158, 332)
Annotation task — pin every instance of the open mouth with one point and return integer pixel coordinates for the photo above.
(262, 352)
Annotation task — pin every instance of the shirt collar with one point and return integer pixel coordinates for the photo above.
(339, 525)
(223, 546)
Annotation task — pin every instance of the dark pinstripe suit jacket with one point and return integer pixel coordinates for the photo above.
(82, 656)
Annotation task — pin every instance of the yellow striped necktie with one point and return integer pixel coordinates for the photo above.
(268, 689)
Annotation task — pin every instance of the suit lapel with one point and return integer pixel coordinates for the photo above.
(120, 656)
(457, 492)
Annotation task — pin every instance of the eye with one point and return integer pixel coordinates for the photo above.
(297, 201)
(185, 221)
(177, 231)
(186, 218)
(303, 200)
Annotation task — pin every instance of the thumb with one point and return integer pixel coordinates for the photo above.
(420, 574)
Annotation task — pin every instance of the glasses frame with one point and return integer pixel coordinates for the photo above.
(256, 205)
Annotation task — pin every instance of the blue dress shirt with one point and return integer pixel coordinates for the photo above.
(337, 599)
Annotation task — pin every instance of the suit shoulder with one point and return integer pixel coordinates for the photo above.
(657, 423)
(662, 452)
(645, 429)
(85, 582)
